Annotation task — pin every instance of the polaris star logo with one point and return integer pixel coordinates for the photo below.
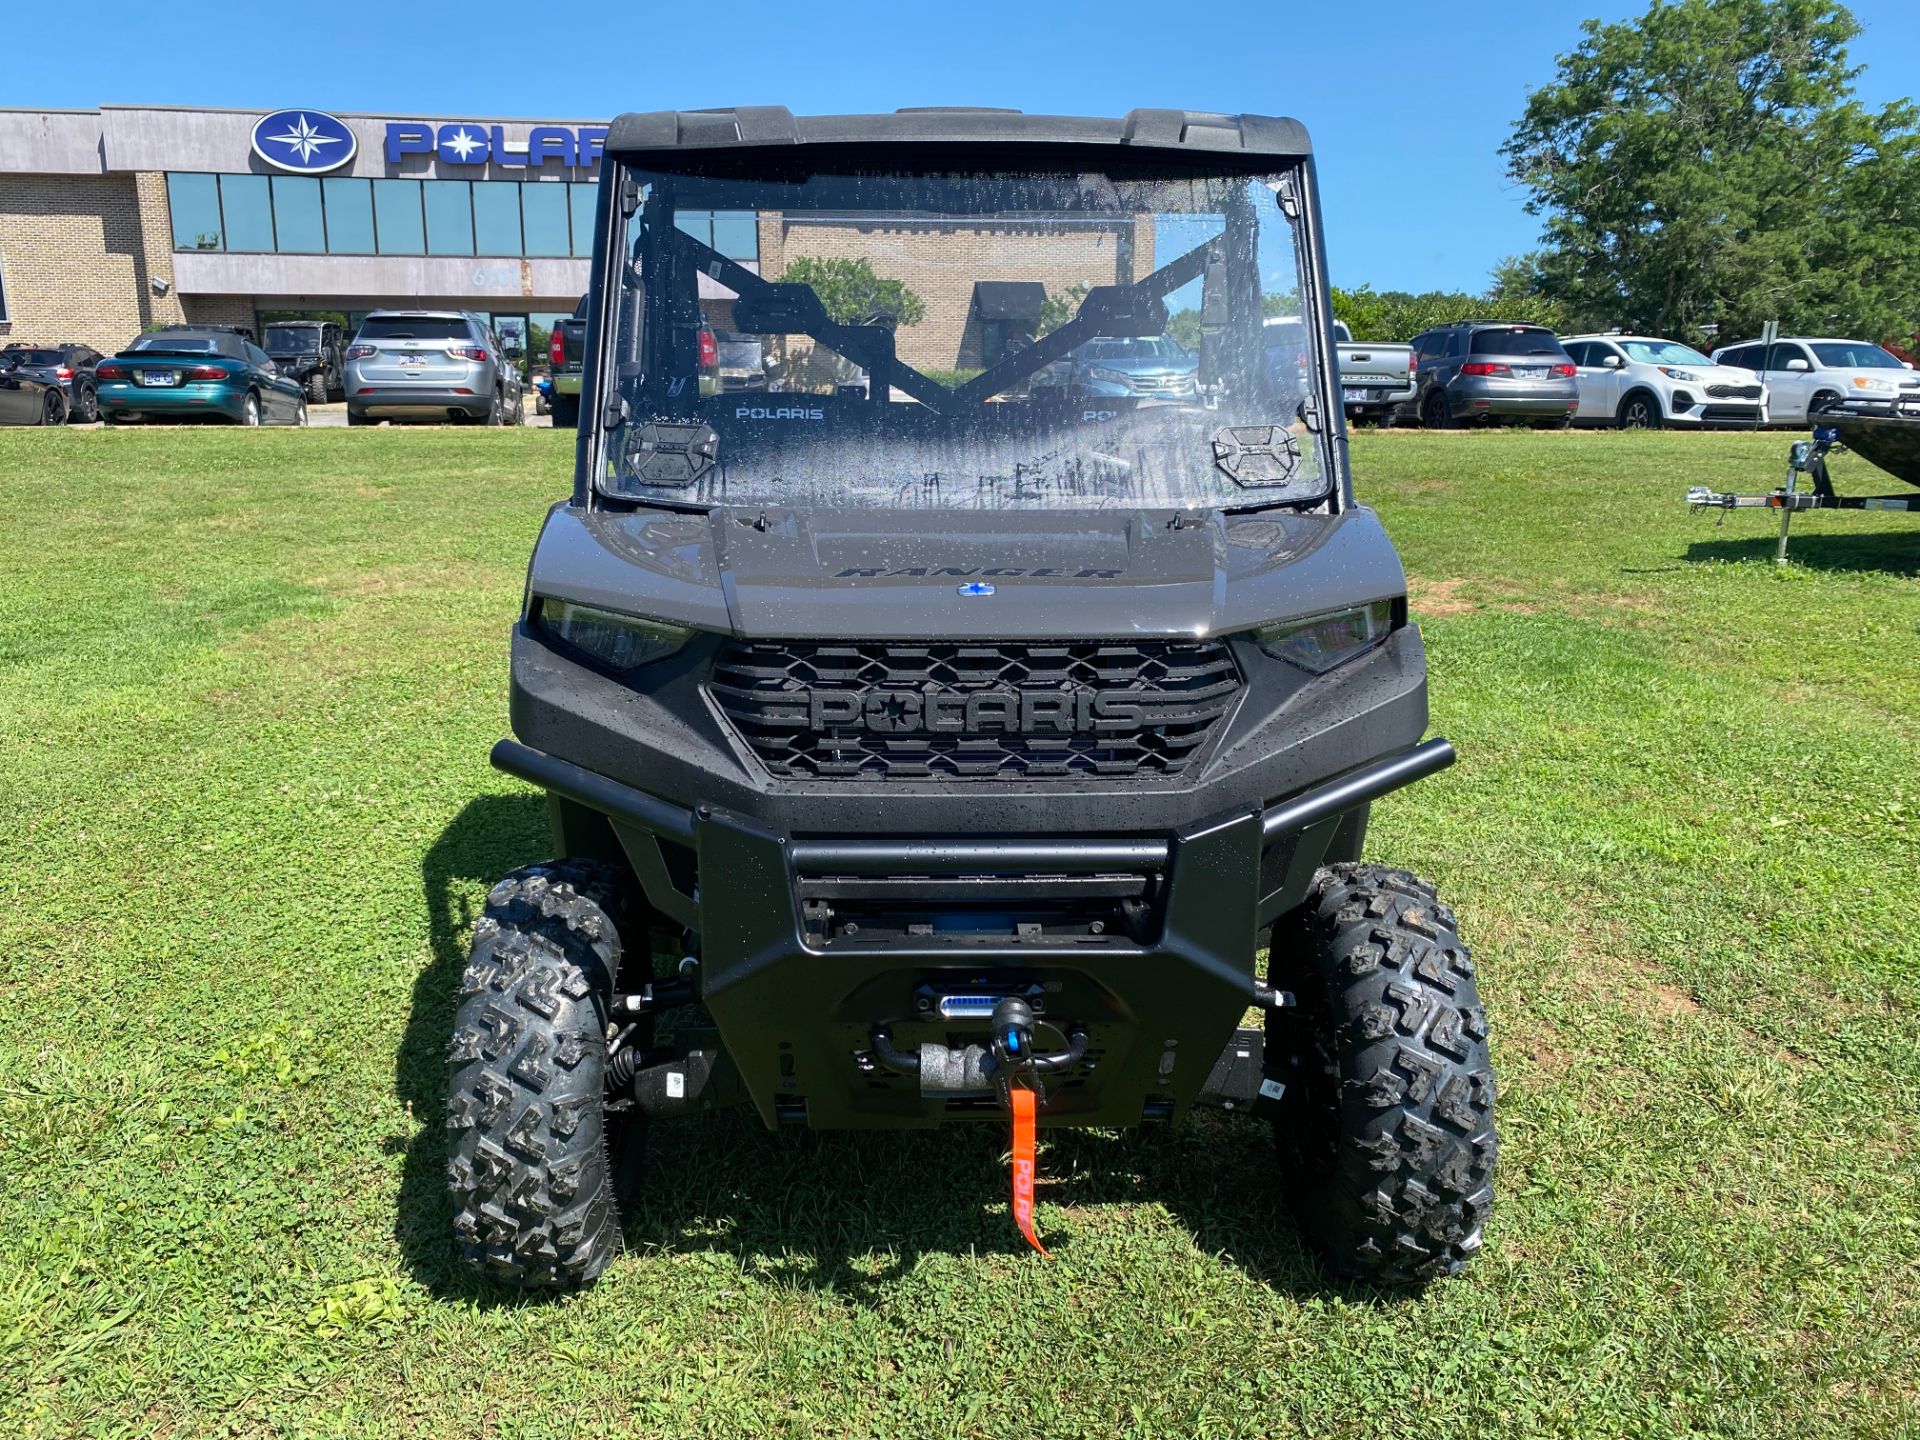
(303, 142)
(975, 712)
(974, 587)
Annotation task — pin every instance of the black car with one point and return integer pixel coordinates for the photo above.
(69, 367)
(313, 352)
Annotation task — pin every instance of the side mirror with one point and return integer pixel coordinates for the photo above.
(1612, 362)
(1798, 364)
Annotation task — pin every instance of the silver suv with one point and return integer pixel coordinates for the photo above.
(1487, 370)
(431, 363)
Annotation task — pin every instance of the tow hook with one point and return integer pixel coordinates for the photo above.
(954, 1070)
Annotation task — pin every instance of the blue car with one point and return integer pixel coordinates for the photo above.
(1145, 367)
(198, 372)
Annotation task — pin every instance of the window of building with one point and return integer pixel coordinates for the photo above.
(246, 213)
(297, 224)
(496, 217)
(449, 217)
(349, 216)
(194, 201)
(5, 314)
(396, 213)
(545, 209)
(734, 233)
(585, 198)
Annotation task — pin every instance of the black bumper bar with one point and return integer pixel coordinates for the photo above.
(965, 857)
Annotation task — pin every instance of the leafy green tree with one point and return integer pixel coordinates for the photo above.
(1706, 164)
(1058, 308)
(851, 291)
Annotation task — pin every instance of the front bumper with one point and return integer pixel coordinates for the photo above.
(808, 944)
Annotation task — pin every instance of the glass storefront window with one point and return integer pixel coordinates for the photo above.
(194, 201)
(496, 217)
(449, 217)
(246, 208)
(349, 216)
(396, 209)
(736, 234)
(545, 208)
(585, 197)
(296, 215)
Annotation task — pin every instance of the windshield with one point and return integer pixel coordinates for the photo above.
(292, 340)
(413, 327)
(1662, 352)
(949, 338)
(1855, 355)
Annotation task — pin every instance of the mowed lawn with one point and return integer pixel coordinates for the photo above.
(247, 687)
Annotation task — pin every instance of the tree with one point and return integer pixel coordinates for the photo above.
(1706, 165)
(851, 291)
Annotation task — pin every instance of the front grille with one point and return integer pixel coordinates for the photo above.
(845, 710)
(1734, 392)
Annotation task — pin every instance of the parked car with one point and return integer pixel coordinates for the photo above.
(1376, 379)
(70, 367)
(313, 352)
(1804, 377)
(198, 372)
(1144, 367)
(1639, 382)
(1493, 370)
(27, 395)
(431, 363)
(566, 351)
(740, 361)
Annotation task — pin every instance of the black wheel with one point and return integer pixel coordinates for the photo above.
(300, 413)
(317, 387)
(566, 411)
(496, 410)
(1826, 400)
(1639, 411)
(1388, 1132)
(53, 407)
(1434, 413)
(532, 1191)
(355, 417)
(1387, 419)
(86, 406)
(519, 416)
(250, 410)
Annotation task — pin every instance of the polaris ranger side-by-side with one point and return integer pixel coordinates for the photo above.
(943, 747)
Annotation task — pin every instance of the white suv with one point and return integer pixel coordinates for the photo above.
(1808, 376)
(1639, 383)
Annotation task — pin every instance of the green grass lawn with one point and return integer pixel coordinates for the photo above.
(247, 686)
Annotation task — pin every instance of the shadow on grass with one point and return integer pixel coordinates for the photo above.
(1891, 552)
(840, 1212)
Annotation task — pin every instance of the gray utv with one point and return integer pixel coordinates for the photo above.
(924, 744)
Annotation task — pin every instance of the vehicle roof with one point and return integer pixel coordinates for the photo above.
(420, 314)
(1657, 339)
(1193, 132)
(1805, 340)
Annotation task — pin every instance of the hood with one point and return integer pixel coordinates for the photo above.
(947, 575)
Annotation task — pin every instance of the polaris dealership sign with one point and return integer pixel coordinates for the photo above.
(467, 143)
(303, 142)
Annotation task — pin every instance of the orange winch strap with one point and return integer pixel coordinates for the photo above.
(1023, 1112)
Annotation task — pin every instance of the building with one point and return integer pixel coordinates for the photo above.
(117, 220)
(120, 219)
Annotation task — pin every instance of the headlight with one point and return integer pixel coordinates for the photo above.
(1673, 374)
(620, 642)
(1875, 387)
(1107, 377)
(1321, 642)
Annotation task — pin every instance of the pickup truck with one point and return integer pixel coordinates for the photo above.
(565, 351)
(1375, 380)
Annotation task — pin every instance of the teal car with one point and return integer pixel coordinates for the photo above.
(188, 371)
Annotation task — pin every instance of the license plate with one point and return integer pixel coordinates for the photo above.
(158, 377)
(413, 362)
(1353, 396)
(1529, 372)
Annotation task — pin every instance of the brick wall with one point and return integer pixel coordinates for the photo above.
(940, 262)
(74, 256)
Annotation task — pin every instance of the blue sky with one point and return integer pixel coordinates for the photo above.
(1407, 102)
